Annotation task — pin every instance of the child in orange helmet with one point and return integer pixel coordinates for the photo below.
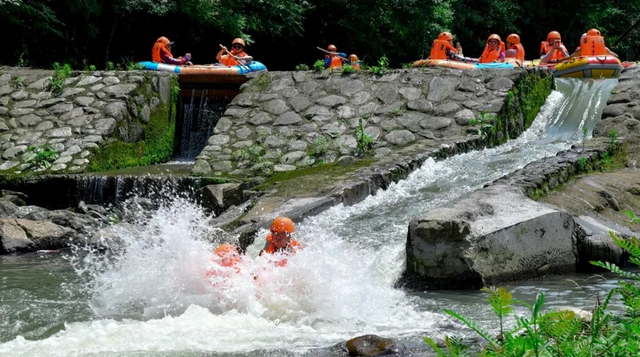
(280, 240)
(237, 51)
(161, 53)
(493, 51)
(552, 50)
(334, 58)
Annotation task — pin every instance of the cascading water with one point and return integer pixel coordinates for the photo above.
(149, 296)
(199, 117)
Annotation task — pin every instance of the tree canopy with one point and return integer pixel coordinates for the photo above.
(283, 33)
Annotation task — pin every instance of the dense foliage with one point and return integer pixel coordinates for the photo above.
(285, 32)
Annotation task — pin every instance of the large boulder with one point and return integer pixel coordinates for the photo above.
(21, 235)
(490, 236)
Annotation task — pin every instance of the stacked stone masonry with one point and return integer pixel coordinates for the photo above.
(91, 110)
(282, 121)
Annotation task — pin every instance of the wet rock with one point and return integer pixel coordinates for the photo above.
(614, 110)
(7, 208)
(77, 222)
(372, 345)
(19, 235)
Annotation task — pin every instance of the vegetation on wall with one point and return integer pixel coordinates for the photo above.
(156, 147)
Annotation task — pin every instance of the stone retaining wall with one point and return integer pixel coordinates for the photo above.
(287, 120)
(91, 111)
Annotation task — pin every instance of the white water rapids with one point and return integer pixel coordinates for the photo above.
(152, 299)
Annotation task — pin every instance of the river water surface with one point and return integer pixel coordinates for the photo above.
(150, 297)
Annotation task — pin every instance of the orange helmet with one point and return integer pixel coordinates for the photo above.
(555, 35)
(228, 253)
(593, 32)
(240, 41)
(513, 39)
(282, 224)
(494, 37)
(353, 58)
(446, 36)
(163, 41)
(332, 48)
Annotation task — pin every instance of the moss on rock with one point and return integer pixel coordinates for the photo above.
(157, 146)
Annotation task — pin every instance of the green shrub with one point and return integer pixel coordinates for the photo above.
(485, 126)
(302, 67)
(382, 68)
(364, 142)
(60, 74)
(44, 156)
(347, 68)
(318, 65)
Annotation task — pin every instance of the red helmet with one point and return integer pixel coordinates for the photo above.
(494, 37)
(283, 224)
(513, 39)
(593, 32)
(446, 36)
(332, 48)
(555, 35)
(240, 41)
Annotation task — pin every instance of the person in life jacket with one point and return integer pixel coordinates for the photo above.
(552, 50)
(161, 53)
(592, 44)
(442, 48)
(280, 239)
(332, 59)
(493, 51)
(513, 43)
(225, 256)
(237, 50)
(354, 62)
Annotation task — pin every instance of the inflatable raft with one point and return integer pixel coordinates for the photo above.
(254, 66)
(589, 67)
(461, 65)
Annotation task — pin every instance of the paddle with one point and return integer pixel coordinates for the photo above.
(625, 33)
(236, 58)
(332, 53)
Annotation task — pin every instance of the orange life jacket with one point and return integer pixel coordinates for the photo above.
(519, 51)
(593, 46)
(545, 47)
(230, 61)
(159, 47)
(336, 62)
(439, 49)
(489, 56)
(270, 247)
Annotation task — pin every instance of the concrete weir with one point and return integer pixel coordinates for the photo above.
(493, 235)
